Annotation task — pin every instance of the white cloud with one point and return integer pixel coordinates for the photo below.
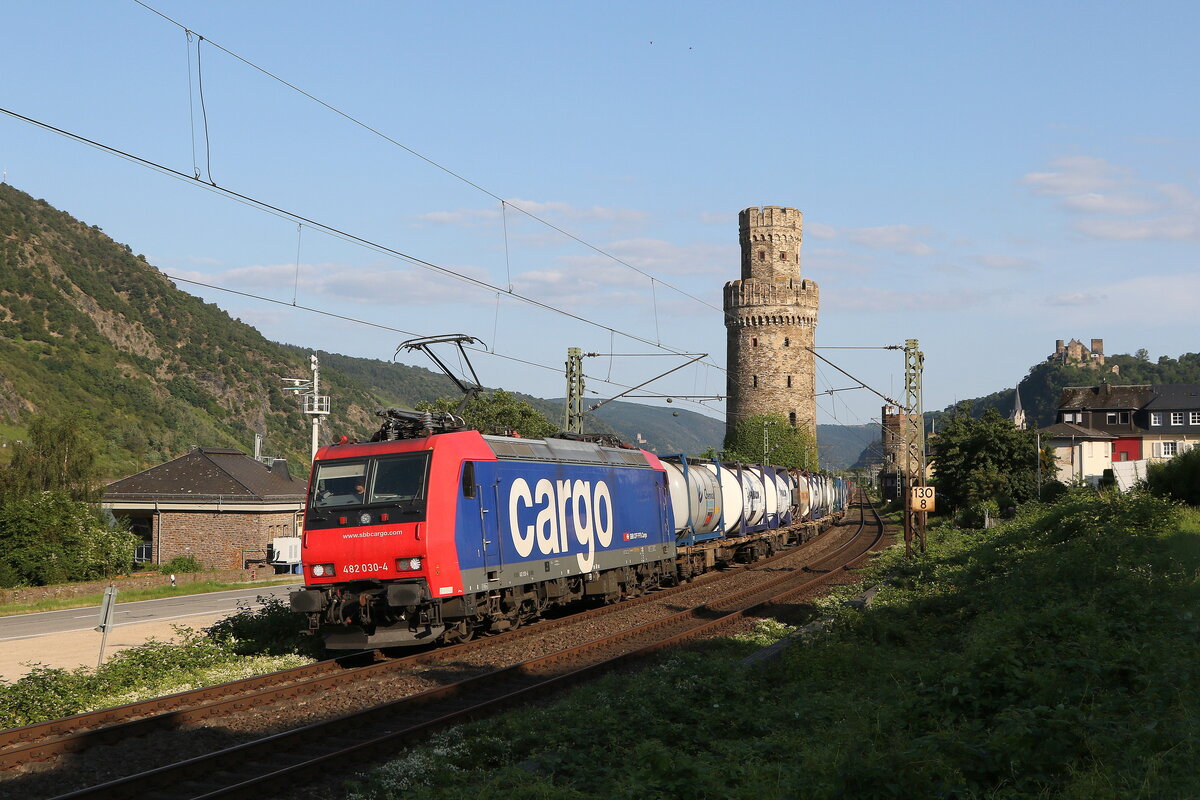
(1074, 175)
(1076, 299)
(899, 238)
(1119, 204)
(819, 230)
(1006, 262)
(566, 211)
(1170, 228)
(1115, 204)
(865, 298)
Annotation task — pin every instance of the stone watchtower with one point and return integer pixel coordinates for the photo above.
(771, 318)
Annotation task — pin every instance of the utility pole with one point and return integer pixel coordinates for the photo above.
(914, 442)
(316, 405)
(573, 415)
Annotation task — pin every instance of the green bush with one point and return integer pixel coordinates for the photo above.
(272, 628)
(180, 565)
(46, 537)
(1178, 479)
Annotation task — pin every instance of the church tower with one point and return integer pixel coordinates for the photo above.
(771, 319)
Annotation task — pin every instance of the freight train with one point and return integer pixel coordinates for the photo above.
(433, 532)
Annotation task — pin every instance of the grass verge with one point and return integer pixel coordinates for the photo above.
(1054, 656)
(132, 595)
(253, 641)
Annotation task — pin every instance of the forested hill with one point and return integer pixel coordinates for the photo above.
(89, 328)
(1040, 389)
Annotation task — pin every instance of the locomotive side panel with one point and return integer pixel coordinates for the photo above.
(531, 522)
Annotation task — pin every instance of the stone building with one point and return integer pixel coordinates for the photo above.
(219, 506)
(771, 320)
(1077, 354)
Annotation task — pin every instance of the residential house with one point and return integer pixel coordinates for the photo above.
(1170, 420)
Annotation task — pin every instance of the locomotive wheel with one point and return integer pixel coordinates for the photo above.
(462, 631)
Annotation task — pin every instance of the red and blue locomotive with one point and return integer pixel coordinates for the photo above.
(434, 532)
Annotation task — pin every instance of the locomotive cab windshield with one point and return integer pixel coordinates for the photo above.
(393, 483)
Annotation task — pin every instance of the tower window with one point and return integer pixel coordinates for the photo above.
(782, 256)
(786, 341)
(789, 381)
(762, 255)
(792, 418)
(755, 378)
(754, 341)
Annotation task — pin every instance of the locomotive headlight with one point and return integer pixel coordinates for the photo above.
(364, 518)
(408, 564)
(322, 570)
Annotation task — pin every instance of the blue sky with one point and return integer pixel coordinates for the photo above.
(983, 177)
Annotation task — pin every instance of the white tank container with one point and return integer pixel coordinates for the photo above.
(695, 497)
(752, 492)
(783, 489)
(767, 474)
(731, 496)
(803, 497)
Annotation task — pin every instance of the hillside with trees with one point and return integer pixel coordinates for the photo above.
(90, 329)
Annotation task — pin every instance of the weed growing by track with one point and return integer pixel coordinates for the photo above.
(1055, 656)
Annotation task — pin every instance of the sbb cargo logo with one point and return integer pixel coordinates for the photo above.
(561, 512)
(630, 536)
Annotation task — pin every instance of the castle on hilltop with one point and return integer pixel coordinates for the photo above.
(771, 321)
(1074, 354)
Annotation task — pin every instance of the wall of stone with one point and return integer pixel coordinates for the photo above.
(218, 539)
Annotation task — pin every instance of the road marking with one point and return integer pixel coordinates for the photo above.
(127, 624)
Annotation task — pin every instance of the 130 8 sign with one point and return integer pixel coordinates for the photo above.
(923, 498)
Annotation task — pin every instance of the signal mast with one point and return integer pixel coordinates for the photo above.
(316, 405)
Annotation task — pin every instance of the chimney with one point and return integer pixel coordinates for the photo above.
(279, 467)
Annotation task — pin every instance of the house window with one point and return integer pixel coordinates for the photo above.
(1194, 418)
(1118, 417)
(1176, 417)
(1169, 449)
(1072, 416)
(1156, 418)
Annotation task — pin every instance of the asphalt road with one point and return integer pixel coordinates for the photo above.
(24, 626)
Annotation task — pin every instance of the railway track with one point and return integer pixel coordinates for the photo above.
(239, 770)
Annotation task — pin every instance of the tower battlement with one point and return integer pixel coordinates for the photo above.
(770, 238)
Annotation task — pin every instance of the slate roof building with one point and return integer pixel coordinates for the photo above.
(1171, 420)
(217, 505)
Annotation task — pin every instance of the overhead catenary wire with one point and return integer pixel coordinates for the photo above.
(330, 230)
(458, 176)
(426, 159)
(333, 230)
(412, 334)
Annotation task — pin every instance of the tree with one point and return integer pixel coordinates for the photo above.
(46, 537)
(497, 413)
(60, 454)
(769, 438)
(1178, 479)
(984, 462)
